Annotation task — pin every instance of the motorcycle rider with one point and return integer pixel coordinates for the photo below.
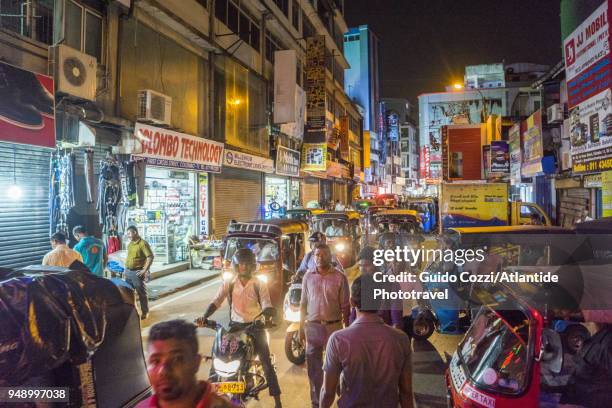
(247, 298)
(308, 262)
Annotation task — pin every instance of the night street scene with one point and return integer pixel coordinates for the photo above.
(305, 203)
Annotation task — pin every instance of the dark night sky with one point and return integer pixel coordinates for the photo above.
(425, 44)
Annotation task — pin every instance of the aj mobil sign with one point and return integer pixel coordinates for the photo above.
(587, 57)
(166, 148)
(287, 162)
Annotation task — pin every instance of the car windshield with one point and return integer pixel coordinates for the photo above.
(265, 250)
(331, 227)
(494, 350)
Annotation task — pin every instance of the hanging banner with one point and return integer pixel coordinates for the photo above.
(287, 162)
(587, 57)
(315, 89)
(248, 161)
(514, 144)
(285, 67)
(27, 107)
(314, 157)
(532, 146)
(500, 158)
(393, 126)
(606, 193)
(591, 134)
(167, 148)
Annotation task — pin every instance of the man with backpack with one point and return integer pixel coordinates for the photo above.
(247, 299)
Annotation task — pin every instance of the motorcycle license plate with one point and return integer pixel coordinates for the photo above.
(231, 387)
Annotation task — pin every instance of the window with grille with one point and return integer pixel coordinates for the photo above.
(29, 18)
(239, 21)
(83, 29)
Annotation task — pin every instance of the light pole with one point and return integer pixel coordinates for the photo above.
(484, 114)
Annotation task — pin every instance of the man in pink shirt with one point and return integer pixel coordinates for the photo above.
(324, 307)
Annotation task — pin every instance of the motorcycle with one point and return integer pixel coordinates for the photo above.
(295, 346)
(236, 370)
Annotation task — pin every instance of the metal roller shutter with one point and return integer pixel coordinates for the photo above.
(24, 223)
(310, 191)
(236, 195)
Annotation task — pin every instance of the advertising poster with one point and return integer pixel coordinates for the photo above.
(514, 145)
(315, 89)
(500, 158)
(606, 193)
(287, 162)
(591, 134)
(203, 198)
(587, 57)
(167, 148)
(533, 150)
(474, 205)
(27, 109)
(314, 157)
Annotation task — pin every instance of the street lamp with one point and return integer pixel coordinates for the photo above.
(484, 114)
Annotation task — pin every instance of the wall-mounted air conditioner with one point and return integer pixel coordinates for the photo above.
(554, 113)
(154, 107)
(74, 72)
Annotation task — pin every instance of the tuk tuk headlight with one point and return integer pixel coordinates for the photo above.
(228, 276)
(226, 369)
(340, 246)
(263, 278)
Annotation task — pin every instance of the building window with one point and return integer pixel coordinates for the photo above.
(239, 22)
(308, 28)
(29, 18)
(295, 15)
(283, 5)
(272, 45)
(83, 29)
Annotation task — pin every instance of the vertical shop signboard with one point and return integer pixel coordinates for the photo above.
(203, 199)
(533, 151)
(296, 129)
(393, 126)
(500, 158)
(315, 89)
(344, 137)
(606, 193)
(314, 157)
(285, 66)
(514, 136)
(486, 161)
(31, 122)
(587, 57)
(591, 134)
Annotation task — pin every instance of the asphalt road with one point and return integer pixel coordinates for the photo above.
(429, 361)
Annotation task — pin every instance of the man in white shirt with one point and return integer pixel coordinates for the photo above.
(247, 299)
(61, 254)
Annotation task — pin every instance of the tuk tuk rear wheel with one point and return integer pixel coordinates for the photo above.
(295, 348)
(422, 328)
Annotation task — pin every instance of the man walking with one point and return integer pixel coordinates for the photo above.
(138, 267)
(373, 358)
(91, 249)
(308, 262)
(60, 254)
(324, 307)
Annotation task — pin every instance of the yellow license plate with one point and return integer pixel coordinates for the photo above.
(231, 387)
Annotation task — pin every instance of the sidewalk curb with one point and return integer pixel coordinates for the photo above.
(183, 287)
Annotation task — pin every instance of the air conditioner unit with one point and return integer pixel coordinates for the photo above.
(154, 107)
(74, 72)
(555, 113)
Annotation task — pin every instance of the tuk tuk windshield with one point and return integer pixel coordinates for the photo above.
(265, 250)
(419, 207)
(494, 350)
(331, 227)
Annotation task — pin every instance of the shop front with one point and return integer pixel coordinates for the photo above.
(238, 190)
(282, 190)
(27, 139)
(175, 191)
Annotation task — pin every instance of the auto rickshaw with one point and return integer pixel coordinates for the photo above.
(343, 232)
(525, 345)
(427, 209)
(279, 246)
(367, 221)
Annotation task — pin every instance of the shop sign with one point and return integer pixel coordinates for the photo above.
(606, 193)
(592, 181)
(314, 156)
(533, 151)
(338, 170)
(591, 134)
(424, 162)
(344, 137)
(285, 66)
(248, 161)
(27, 110)
(315, 88)
(366, 149)
(203, 198)
(287, 162)
(514, 136)
(587, 57)
(167, 148)
(500, 158)
(393, 126)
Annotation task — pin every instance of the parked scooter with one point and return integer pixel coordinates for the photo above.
(236, 370)
(295, 345)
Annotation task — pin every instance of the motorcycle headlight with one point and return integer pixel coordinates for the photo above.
(226, 369)
(340, 246)
(291, 315)
(227, 276)
(263, 278)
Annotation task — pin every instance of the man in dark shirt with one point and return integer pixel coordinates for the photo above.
(138, 267)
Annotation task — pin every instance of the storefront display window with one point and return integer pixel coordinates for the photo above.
(168, 217)
(277, 197)
(296, 201)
